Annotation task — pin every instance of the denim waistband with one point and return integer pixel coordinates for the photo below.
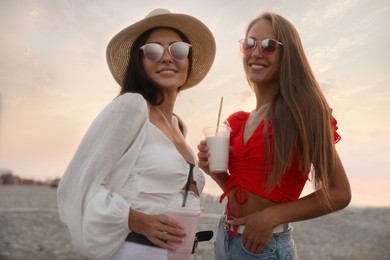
(280, 229)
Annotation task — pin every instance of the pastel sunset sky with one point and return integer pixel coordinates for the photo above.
(54, 79)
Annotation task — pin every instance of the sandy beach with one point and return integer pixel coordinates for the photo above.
(30, 229)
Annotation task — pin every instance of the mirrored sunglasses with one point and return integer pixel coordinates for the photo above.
(177, 50)
(267, 46)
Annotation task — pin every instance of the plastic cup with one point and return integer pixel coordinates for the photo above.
(188, 217)
(217, 139)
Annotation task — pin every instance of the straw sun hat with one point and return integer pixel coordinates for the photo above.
(201, 39)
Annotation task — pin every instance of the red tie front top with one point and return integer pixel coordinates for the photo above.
(249, 170)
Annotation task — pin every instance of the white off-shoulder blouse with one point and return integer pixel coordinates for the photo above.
(123, 162)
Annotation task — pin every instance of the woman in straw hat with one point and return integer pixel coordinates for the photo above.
(290, 132)
(134, 157)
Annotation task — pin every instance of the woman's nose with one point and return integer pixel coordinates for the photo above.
(166, 56)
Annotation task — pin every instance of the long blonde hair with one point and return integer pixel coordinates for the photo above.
(300, 115)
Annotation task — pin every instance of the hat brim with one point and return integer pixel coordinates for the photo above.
(201, 39)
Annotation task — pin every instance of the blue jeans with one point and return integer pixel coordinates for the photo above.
(280, 247)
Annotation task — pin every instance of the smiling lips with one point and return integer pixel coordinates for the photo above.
(167, 72)
(257, 66)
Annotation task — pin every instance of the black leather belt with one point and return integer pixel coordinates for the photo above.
(143, 240)
(139, 239)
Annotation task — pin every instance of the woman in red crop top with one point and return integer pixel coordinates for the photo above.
(289, 134)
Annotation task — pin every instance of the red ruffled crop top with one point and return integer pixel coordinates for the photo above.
(247, 166)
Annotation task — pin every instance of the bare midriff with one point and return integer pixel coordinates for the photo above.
(254, 203)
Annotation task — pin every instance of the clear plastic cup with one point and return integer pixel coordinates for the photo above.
(217, 139)
(188, 217)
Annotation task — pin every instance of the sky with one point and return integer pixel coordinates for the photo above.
(54, 78)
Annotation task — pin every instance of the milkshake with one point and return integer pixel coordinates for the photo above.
(188, 217)
(217, 139)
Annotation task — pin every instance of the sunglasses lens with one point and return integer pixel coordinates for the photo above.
(153, 51)
(268, 46)
(179, 50)
(247, 45)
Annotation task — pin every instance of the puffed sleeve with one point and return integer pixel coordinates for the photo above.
(88, 199)
(235, 120)
(336, 136)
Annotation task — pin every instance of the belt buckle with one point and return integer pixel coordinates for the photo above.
(224, 221)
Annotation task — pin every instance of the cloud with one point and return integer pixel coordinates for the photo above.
(244, 95)
(37, 12)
